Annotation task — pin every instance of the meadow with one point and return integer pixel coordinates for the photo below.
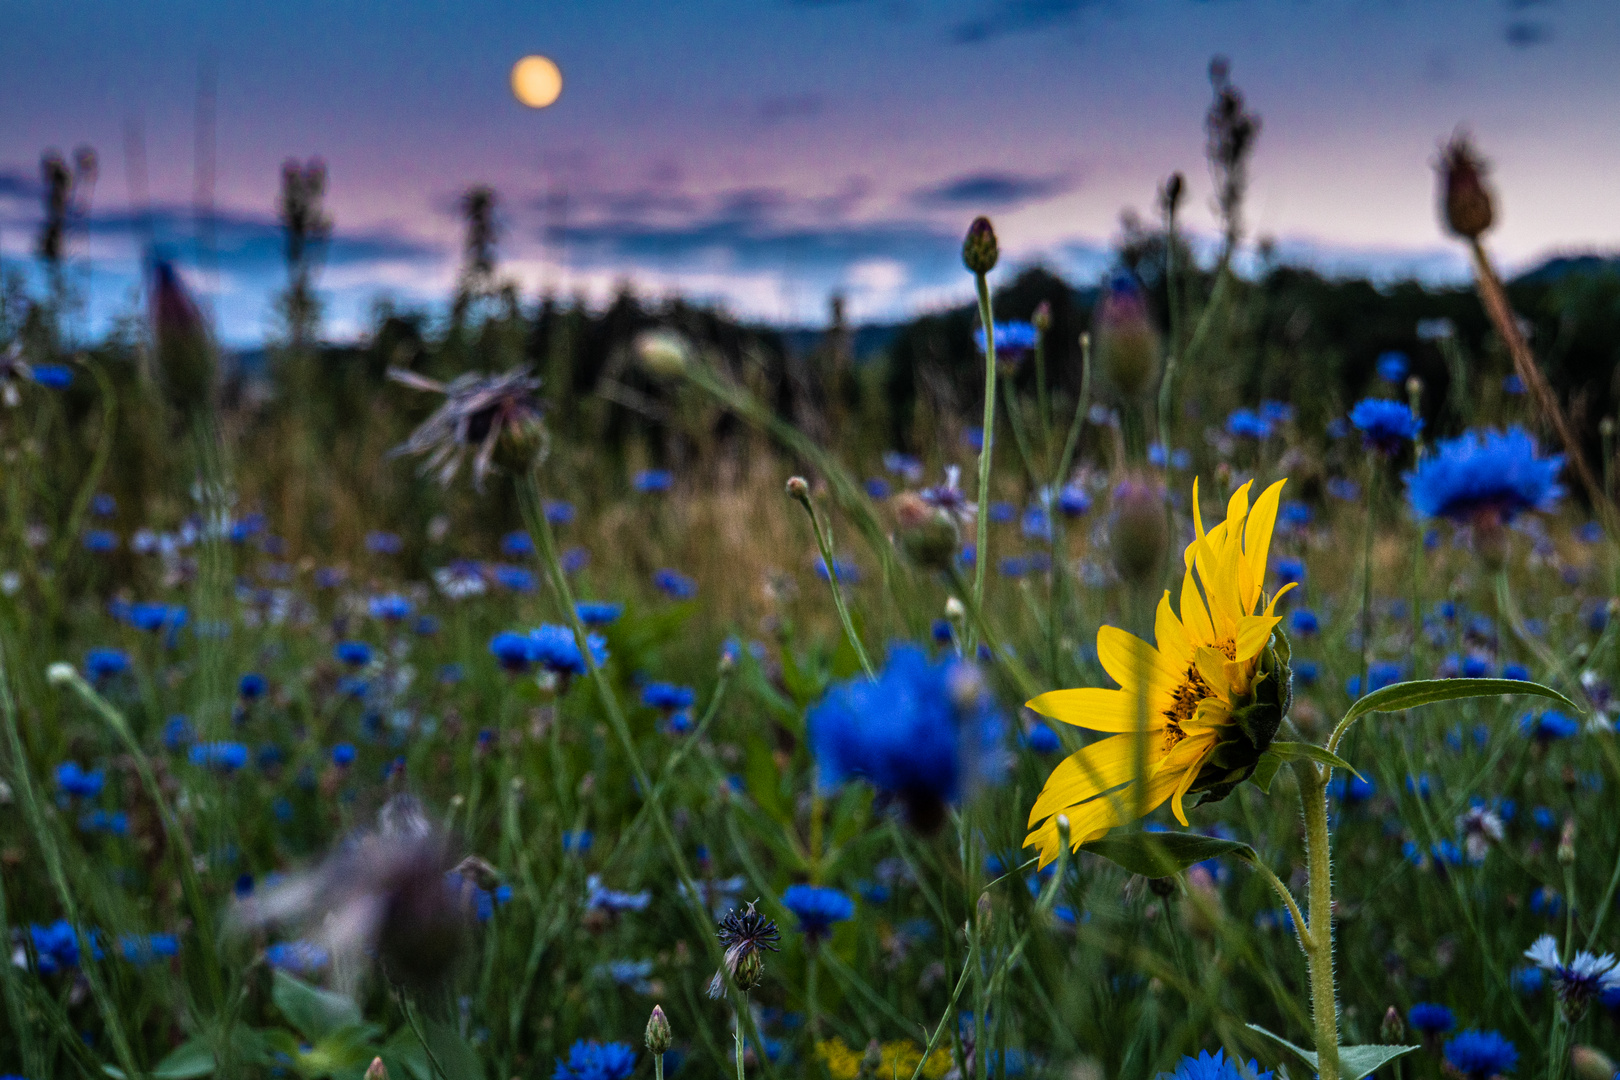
(418, 710)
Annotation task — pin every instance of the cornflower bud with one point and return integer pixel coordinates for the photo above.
(1042, 319)
(1566, 844)
(1393, 1029)
(979, 249)
(798, 489)
(658, 1034)
(1140, 534)
(376, 1070)
(1590, 1063)
(928, 535)
(1127, 342)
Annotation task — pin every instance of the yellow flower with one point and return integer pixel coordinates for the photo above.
(1210, 695)
(899, 1058)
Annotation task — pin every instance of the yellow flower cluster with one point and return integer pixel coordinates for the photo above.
(899, 1058)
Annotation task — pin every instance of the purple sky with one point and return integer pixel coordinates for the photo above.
(765, 152)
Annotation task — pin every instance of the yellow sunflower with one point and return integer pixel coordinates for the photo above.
(1211, 694)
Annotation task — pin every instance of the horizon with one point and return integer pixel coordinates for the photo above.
(761, 159)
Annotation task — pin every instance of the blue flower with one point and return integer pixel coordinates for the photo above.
(1011, 337)
(558, 513)
(597, 613)
(1306, 672)
(1303, 621)
(847, 572)
(1491, 473)
(343, 754)
(555, 649)
(1042, 739)
(1216, 1066)
(1550, 726)
(817, 908)
(1513, 385)
(1073, 500)
(1577, 982)
(1295, 514)
(100, 541)
(1036, 524)
(297, 957)
(224, 756)
(1246, 423)
(53, 376)
(77, 782)
(353, 653)
(143, 949)
(574, 560)
(153, 617)
(56, 946)
(515, 578)
(1380, 673)
(921, 731)
(675, 584)
(1528, 981)
(596, 1061)
(1290, 571)
(514, 652)
(1002, 512)
(941, 631)
(1385, 425)
(1276, 412)
(178, 733)
(577, 841)
(1481, 1054)
(649, 481)
(252, 686)
(384, 543)
(876, 488)
(516, 545)
(667, 696)
(391, 608)
(1392, 366)
(105, 663)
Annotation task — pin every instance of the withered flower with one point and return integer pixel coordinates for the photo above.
(745, 934)
(481, 413)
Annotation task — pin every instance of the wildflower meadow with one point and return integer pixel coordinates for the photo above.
(1184, 676)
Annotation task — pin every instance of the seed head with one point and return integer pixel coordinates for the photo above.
(745, 934)
(1465, 200)
(979, 250)
(1140, 534)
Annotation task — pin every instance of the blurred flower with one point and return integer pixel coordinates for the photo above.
(556, 649)
(352, 653)
(1465, 201)
(675, 584)
(652, 481)
(384, 543)
(1246, 423)
(1127, 343)
(746, 936)
(1216, 1066)
(667, 696)
(597, 613)
(102, 664)
(479, 413)
(948, 496)
(78, 783)
(298, 957)
(1385, 425)
(592, 1060)
(1392, 366)
(1550, 726)
(1577, 982)
(847, 572)
(390, 608)
(817, 908)
(1488, 474)
(516, 545)
(1073, 501)
(53, 376)
(252, 686)
(1430, 1019)
(1481, 827)
(224, 756)
(518, 579)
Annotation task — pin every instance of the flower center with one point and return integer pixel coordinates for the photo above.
(1192, 690)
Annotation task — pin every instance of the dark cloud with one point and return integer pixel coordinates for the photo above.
(17, 185)
(779, 107)
(1004, 17)
(1523, 34)
(991, 190)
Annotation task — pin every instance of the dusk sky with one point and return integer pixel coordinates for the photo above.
(763, 153)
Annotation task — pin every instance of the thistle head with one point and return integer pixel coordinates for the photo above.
(1465, 201)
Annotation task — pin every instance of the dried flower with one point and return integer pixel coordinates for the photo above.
(1465, 201)
(482, 411)
(745, 934)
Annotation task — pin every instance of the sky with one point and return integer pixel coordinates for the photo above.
(762, 154)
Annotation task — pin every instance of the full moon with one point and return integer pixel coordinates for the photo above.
(536, 81)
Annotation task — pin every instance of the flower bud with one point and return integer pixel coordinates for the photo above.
(872, 1062)
(798, 489)
(1042, 319)
(750, 971)
(979, 248)
(1393, 1029)
(663, 353)
(1590, 1063)
(1465, 199)
(1127, 342)
(1566, 844)
(927, 534)
(1139, 532)
(954, 610)
(658, 1034)
(376, 1070)
(1171, 193)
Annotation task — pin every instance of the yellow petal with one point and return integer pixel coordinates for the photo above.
(1198, 514)
(1099, 768)
(1212, 666)
(1271, 607)
(1198, 748)
(1253, 633)
(1257, 531)
(1170, 635)
(1237, 507)
(1194, 615)
(1134, 663)
(1212, 712)
(1094, 709)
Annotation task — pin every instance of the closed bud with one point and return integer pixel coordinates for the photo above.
(1465, 199)
(1566, 844)
(1606, 427)
(798, 489)
(979, 249)
(928, 535)
(1170, 195)
(1042, 319)
(523, 443)
(1393, 1029)
(658, 1034)
(1590, 1063)
(376, 1070)
(750, 971)
(1127, 342)
(872, 1062)
(1139, 534)
(663, 353)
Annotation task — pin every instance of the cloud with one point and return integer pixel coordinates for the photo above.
(991, 190)
(1004, 17)
(252, 241)
(17, 185)
(1524, 34)
(781, 107)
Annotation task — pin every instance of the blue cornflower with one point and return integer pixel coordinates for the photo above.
(178, 733)
(1303, 621)
(817, 908)
(384, 543)
(1276, 412)
(1380, 673)
(143, 949)
(922, 731)
(1042, 739)
(675, 584)
(1216, 1066)
(559, 512)
(1431, 1019)
(555, 649)
(390, 608)
(1002, 512)
(1528, 981)
(1513, 385)
(1475, 666)
(1306, 672)
(1479, 1055)
(343, 754)
(942, 631)
(599, 897)
(353, 653)
(516, 545)
(53, 376)
(100, 541)
(1011, 337)
(1295, 514)
(1246, 423)
(1550, 726)
(153, 617)
(1577, 982)
(252, 686)
(298, 957)
(876, 488)
(1392, 366)
(1290, 571)
(596, 1061)
(1036, 524)
(1491, 473)
(574, 559)
(224, 756)
(598, 612)
(514, 652)
(514, 578)
(650, 481)
(667, 696)
(77, 782)
(1385, 425)
(1343, 488)
(846, 572)
(55, 945)
(1073, 501)
(577, 841)
(105, 663)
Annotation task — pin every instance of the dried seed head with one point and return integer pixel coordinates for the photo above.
(1465, 200)
(745, 934)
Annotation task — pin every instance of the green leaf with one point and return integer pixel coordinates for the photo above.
(313, 1011)
(1355, 1062)
(1265, 771)
(1289, 751)
(186, 1061)
(1161, 854)
(1410, 695)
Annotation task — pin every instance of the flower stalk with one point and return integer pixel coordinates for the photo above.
(1317, 937)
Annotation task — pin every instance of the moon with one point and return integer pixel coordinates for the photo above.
(536, 81)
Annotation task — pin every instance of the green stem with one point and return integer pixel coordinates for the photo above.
(658, 1067)
(1043, 401)
(1318, 936)
(822, 542)
(740, 1074)
(981, 551)
(421, 1035)
(1080, 408)
(1366, 574)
